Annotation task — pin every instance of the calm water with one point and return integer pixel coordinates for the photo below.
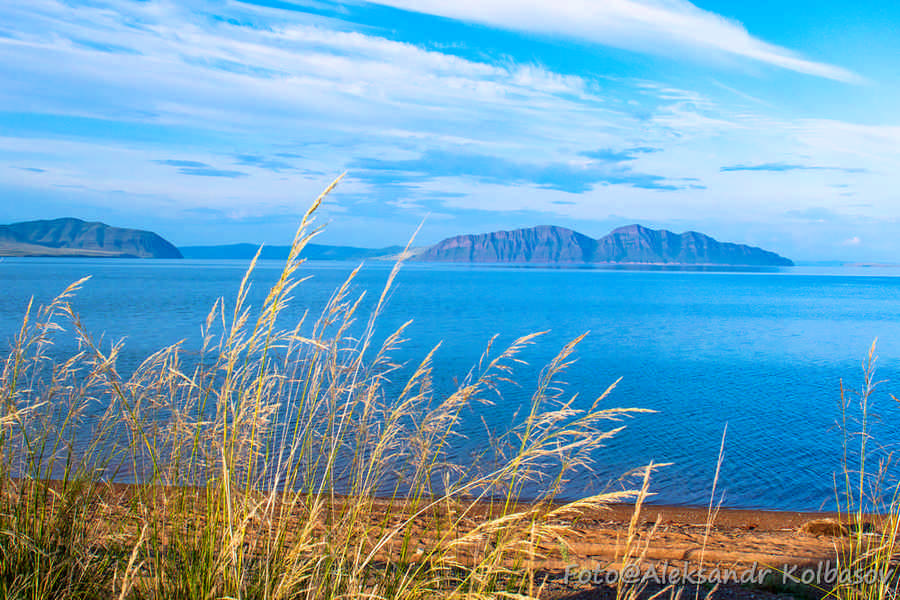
(762, 352)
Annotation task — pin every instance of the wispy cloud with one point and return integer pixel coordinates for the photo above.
(614, 156)
(187, 164)
(815, 214)
(263, 162)
(199, 169)
(565, 177)
(256, 107)
(303, 81)
(643, 25)
(211, 172)
(780, 167)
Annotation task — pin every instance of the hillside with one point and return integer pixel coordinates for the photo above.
(543, 244)
(310, 252)
(74, 237)
(637, 244)
(633, 244)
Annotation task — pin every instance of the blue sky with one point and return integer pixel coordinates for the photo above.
(216, 121)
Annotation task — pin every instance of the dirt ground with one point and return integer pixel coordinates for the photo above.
(760, 554)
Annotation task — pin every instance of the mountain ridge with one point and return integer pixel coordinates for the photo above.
(543, 244)
(246, 251)
(73, 237)
(631, 244)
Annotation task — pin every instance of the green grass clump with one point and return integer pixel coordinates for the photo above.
(278, 466)
(868, 501)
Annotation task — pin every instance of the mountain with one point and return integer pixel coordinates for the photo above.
(633, 244)
(311, 252)
(542, 244)
(545, 244)
(637, 244)
(74, 237)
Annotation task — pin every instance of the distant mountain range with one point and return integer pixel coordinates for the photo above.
(74, 237)
(310, 252)
(633, 244)
(546, 244)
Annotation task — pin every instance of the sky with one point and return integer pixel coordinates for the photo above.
(773, 123)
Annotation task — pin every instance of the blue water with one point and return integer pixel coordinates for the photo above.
(763, 352)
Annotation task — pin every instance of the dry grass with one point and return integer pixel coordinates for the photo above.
(279, 466)
(286, 465)
(869, 557)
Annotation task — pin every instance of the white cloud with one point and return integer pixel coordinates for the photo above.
(182, 68)
(644, 25)
(334, 96)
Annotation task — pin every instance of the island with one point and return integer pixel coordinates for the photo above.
(630, 245)
(633, 245)
(70, 237)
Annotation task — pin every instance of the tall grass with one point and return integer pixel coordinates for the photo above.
(285, 462)
(868, 501)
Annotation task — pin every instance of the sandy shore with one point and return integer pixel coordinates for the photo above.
(666, 534)
(736, 537)
(669, 540)
(771, 549)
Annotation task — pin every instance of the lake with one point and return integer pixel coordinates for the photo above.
(763, 352)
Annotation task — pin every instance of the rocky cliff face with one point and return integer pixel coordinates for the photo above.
(544, 244)
(633, 244)
(74, 237)
(637, 244)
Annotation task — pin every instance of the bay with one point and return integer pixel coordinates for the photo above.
(763, 352)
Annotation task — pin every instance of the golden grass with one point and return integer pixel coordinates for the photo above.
(869, 558)
(279, 466)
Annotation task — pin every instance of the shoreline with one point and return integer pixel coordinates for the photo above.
(618, 511)
(574, 558)
(670, 536)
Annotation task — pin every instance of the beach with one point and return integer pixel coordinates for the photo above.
(743, 553)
